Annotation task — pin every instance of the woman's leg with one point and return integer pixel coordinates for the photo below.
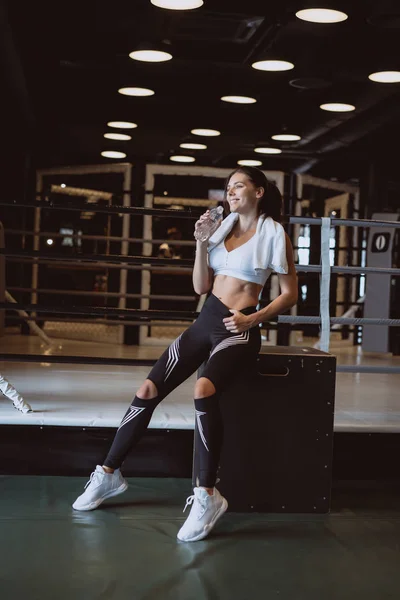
(229, 354)
(176, 364)
(208, 434)
(133, 425)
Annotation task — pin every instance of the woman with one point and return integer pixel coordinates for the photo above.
(234, 264)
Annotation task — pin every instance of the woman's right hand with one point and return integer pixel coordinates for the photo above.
(202, 218)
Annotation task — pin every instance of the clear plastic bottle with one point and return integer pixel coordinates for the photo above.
(207, 228)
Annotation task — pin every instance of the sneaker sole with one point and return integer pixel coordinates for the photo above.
(208, 527)
(122, 488)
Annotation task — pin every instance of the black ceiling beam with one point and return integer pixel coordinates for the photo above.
(351, 131)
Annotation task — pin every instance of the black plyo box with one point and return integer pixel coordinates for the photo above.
(278, 433)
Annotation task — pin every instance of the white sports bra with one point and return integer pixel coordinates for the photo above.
(238, 263)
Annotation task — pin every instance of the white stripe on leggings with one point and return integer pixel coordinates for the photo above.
(134, 412)
(200, 428)
(242, 338)
(173, 357)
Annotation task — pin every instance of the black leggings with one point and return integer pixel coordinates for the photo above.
(217, 353)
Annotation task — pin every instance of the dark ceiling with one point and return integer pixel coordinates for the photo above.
(64, 63)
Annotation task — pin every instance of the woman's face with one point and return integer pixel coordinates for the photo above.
(242, 195)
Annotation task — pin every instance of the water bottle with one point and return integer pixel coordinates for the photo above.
(207, 228)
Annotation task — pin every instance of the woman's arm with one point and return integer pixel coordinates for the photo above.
(202, 274)
(289, 291)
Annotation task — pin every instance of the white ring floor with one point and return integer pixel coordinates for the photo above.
(98, 396)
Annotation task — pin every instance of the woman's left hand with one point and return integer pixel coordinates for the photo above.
(238, 322)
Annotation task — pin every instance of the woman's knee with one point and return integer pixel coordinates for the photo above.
(204, 388)
(147, 390)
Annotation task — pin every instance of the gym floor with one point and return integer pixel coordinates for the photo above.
(128, 547)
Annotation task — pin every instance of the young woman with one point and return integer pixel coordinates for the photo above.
(234, 264)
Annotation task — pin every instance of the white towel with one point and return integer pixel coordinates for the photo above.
(270, 246)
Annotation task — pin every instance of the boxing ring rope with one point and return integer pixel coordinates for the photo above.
(97, 238)
(178, 265)
(152, 262)
(189, 316)
(184, 315)
(140, 362)
(103, 294)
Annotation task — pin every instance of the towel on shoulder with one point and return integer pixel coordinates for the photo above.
(270, 246)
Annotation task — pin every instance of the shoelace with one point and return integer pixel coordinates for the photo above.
(190, 501)
(92, 477)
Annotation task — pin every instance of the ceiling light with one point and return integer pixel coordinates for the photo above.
(49, 242)
(190, 146)
(321, 15)
(286, 137)
(150, 55)
(178, 4)
(63, 185)
(249, 163)
(273, 65)
(337, 107)
(117, 136)
(268, 150)
(206, 132)
(135, 91)
(239, 99)
(122, 124)
(385, 76)
(182, 159)
(113, 154)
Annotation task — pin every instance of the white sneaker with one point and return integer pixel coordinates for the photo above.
(205, 512)
(100, 486)
(22, 406)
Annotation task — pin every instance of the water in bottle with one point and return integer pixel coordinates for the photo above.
(207, 228)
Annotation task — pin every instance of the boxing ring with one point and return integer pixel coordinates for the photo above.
(80, 387)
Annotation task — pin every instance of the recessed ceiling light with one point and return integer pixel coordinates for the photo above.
(135, 91)
(113, 154)
(122, 124)
(178, 4)
(190, 146)
(239, 99)
(286, 137)
(182, 159)
(249, 163)
(268, 150)
(206, 132)
(385, 76)
(337, 107)
(150, 55)
(117, 136)
(321, 15)
(273, 65)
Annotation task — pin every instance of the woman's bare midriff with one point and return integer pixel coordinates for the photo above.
(236, 293)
